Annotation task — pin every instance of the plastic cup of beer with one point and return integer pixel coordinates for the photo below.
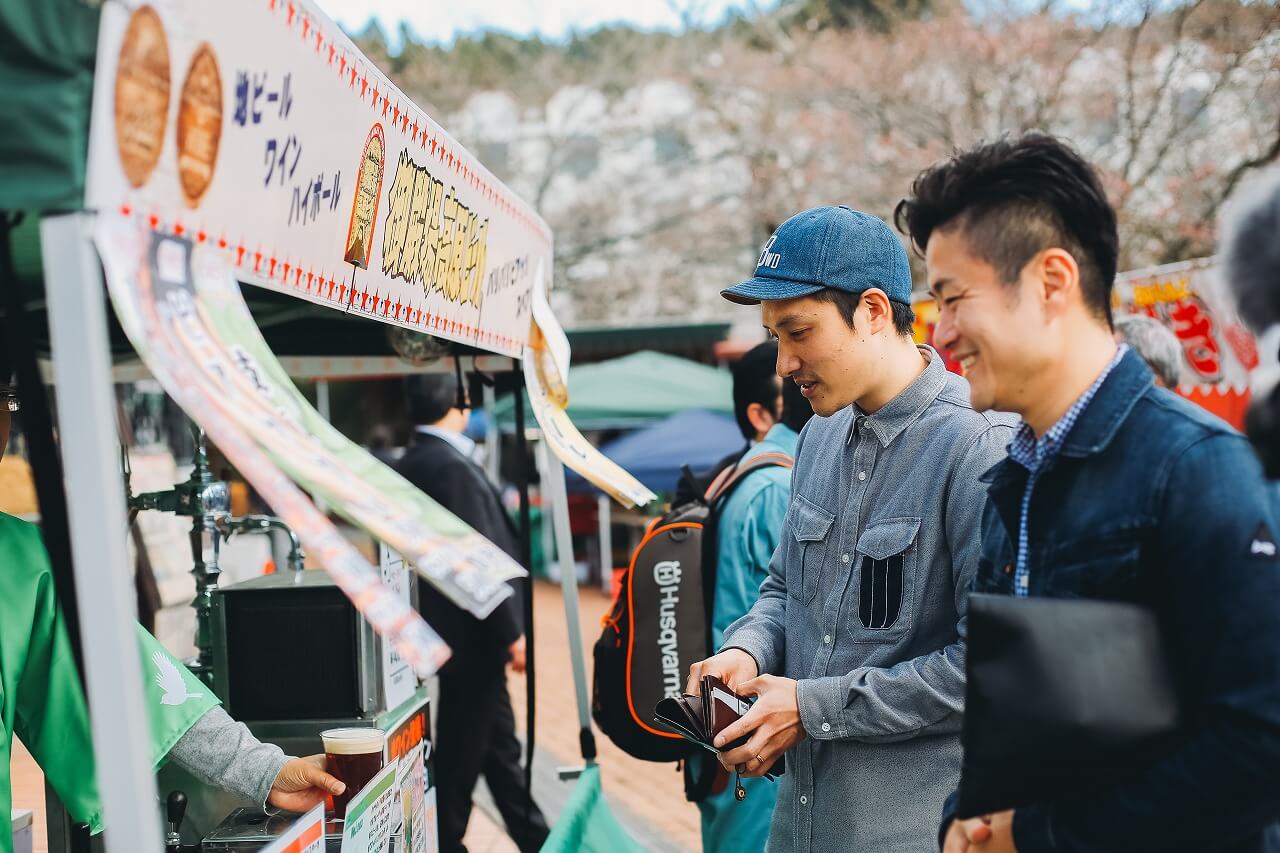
(354, 756)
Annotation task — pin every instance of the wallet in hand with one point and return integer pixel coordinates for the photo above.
(701, 718)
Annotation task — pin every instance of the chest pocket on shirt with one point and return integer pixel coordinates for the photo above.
(885, 580)
(809, 525)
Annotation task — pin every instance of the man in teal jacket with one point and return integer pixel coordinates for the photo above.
(43, 703)
(770, 414)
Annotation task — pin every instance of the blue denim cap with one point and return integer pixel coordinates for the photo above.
(836, 247)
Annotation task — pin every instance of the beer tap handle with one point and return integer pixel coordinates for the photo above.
(175, 809)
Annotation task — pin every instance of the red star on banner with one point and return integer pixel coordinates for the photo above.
(306, 26)
(292, 11)
(415, 127)
(376, 300)
(396, 112)
(364, 83)
(397, 307)
(375, 94)
(332, 51)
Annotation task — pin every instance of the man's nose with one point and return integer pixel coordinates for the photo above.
(787, 363)
(945, 334)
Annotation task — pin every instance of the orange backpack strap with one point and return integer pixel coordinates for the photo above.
(729, 477)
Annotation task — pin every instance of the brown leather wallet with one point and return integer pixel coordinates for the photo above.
(701, 718)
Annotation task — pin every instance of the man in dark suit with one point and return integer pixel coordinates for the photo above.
(475, 728)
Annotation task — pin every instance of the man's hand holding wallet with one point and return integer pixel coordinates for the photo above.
(754, 743)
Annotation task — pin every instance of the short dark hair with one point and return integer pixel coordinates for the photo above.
(430, 396)
(847, 303)
(1014, 198)
(755, 380)
(796, 410)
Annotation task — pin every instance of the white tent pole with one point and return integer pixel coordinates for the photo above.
(96, 515)
(604, 515)
(553, 492)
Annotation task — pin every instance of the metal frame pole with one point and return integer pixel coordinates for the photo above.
(604, 519)
(554, 494)
(96, 511)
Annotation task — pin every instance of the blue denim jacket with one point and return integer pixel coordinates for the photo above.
(1153, 500)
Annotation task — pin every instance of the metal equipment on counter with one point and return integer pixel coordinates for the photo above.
(207, 502)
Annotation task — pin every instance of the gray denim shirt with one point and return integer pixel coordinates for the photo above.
(865, 607)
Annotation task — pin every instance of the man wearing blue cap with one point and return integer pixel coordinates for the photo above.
(854, 647)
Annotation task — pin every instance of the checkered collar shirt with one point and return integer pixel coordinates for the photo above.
(1034, 454)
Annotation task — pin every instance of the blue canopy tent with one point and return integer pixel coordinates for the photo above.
(693, 437)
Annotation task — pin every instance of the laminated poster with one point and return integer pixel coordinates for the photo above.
(149, 278)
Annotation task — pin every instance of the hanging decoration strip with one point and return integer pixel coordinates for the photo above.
(151, 280)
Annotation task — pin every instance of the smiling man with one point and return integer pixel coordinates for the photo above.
(1113, 489)
(854, 645)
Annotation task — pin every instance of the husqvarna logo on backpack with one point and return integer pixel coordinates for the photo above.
(769, 258)
(666, 573)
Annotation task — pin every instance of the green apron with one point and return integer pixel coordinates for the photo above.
(41, 700)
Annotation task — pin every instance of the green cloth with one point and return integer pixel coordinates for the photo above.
(47, 55)
(41, 700)
(586, 824)
(635, 390)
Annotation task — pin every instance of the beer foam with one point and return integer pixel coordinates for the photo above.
(357, 741)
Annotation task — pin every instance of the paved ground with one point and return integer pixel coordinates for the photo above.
(647, 798)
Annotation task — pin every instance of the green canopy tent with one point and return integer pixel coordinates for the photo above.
(636, 390)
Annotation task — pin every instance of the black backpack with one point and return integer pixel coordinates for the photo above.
(659, 624)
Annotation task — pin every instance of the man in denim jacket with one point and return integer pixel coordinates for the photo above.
(1114, 489)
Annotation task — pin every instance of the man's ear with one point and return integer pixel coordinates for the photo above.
(879, 309)
(760, 418)
(1059, 279)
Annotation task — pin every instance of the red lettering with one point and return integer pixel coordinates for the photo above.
(1193, 325)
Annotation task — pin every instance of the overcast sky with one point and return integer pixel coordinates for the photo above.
(440, 21)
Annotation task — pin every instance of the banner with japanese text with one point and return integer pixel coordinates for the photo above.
(1218, 351)
(255, 129)
(256, 126)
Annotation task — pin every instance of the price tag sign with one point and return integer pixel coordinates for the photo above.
(369, 821)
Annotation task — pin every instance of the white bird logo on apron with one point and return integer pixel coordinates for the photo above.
(171, 682)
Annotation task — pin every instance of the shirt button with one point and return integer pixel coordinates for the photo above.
(826, 727)
(827, 639)
(804, 801)
(844, 558)
(862, 475)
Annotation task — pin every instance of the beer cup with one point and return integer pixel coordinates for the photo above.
(354, 756)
